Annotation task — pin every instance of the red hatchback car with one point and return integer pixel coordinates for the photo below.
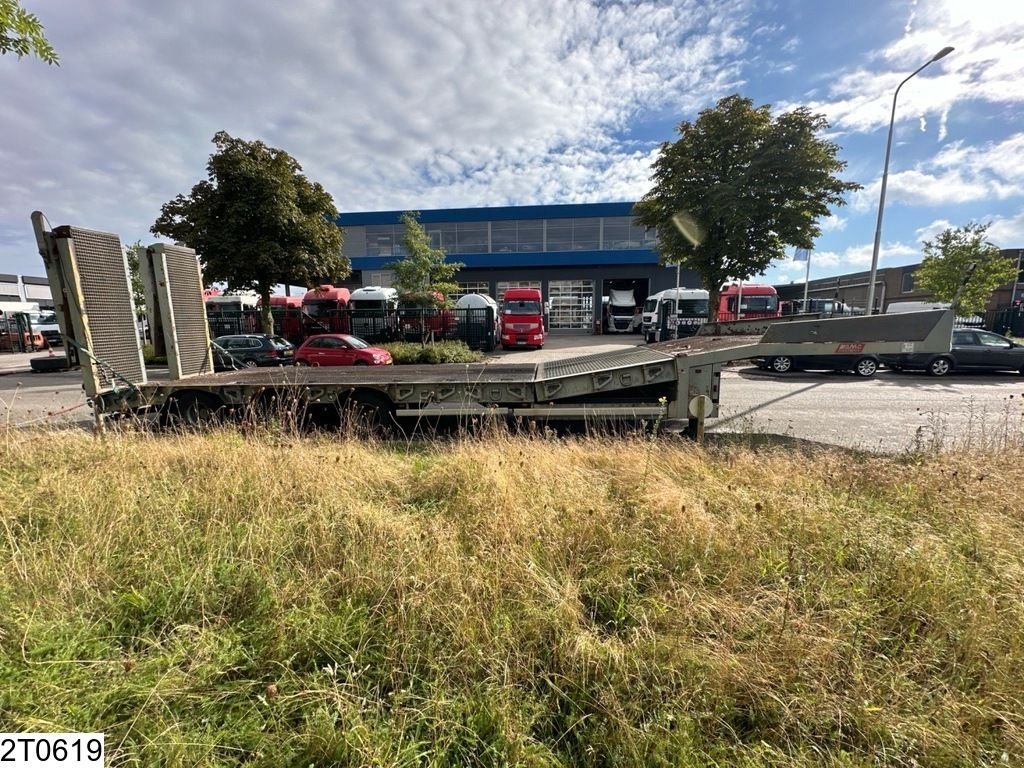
(340, 349)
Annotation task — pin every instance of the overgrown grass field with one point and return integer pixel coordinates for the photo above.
(266, 601)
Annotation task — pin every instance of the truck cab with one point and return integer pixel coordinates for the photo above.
(683, 310)
(522, 318)
(748, 301)
(232, 313)
(621, 316)
(324, 310)
(373, 312)
(287, 314)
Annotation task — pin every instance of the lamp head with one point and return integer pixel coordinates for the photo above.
(944, 52)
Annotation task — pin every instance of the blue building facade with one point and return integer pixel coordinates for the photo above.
(575, 254)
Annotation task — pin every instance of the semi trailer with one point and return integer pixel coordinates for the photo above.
(680, 384)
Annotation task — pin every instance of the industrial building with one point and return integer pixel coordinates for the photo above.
(576, 254)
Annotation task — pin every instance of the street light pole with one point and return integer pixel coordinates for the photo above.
(885, 178)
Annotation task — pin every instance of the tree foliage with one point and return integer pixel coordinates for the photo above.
(748, 183)
(947, 259)
(423, 271)
(131, 255)
(21, 33)
(256, 221)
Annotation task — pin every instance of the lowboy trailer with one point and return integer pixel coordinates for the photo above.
(88, 275)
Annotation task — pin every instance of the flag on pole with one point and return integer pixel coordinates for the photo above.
(802, 254)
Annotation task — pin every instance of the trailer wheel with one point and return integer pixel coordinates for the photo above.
(369, 412)
(866, 367)
(192, 410)
(781, 364)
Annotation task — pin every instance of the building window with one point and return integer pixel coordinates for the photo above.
(586, 234)
(503, 237)
(558, 235)
(529, 236)
(442, 236)
(616, 233)
(471, 237)
(483, 287)
(380, 240)
(384, 279)
(907, 283)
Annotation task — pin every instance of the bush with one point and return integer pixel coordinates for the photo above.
(405, 353)
(150, 357)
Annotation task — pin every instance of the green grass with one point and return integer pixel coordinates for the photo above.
(220, 600)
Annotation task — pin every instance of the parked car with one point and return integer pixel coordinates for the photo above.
(340, 349)
(971, 350)
(862, 365)
(255, 349)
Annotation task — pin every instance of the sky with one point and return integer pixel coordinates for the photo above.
(415, 105)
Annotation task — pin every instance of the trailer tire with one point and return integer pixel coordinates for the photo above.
(192, 410)
(370, 412)
(866, 367)
(781, 364)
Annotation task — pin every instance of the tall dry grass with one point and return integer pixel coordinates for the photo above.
(229, 600)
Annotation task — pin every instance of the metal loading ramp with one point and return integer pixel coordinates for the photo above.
(605, 372)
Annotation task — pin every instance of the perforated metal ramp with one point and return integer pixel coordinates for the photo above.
(174, 296)
(603, 362)
(606, 372)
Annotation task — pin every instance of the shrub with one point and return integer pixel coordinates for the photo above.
(405, 353)
(150, 357)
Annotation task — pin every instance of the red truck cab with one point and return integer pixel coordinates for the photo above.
(755, 301)
(324, 310)
(522, 318)
(287, 314)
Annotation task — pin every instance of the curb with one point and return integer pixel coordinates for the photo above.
(14, 371)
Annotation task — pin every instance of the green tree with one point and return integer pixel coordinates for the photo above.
(423, 271)
(947, 259)
(131, 255)
(256, 221)
(21, 33)
(738, 187)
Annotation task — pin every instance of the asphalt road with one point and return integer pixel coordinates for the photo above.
(890, 412)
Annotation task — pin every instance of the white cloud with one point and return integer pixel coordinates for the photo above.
(987, 65)
(959, 173)
(833, 223)
(388, 104)
(936, 227)
(860, 255)
(1007, 231)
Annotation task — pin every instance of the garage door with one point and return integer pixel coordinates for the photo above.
(504, 286)
(572, 304)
